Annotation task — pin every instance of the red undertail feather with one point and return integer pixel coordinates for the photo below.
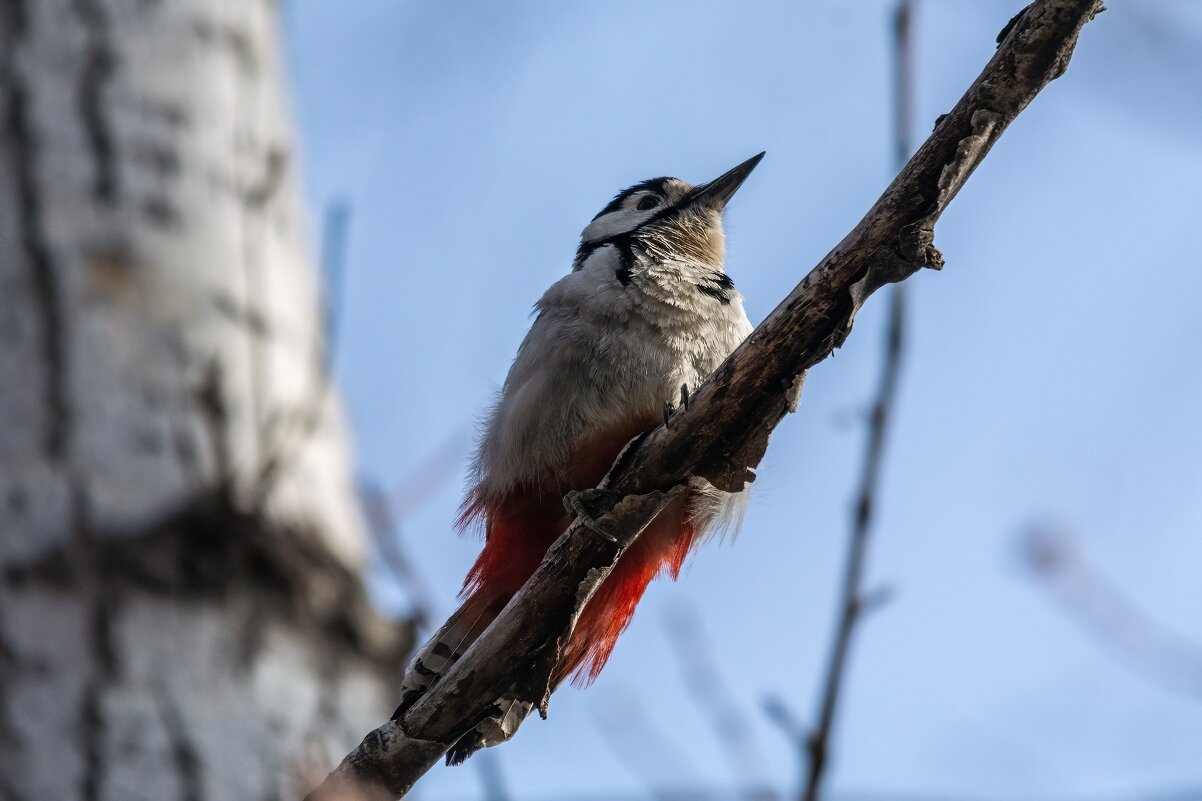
(519, 528)
(521, 525)
(660, 549)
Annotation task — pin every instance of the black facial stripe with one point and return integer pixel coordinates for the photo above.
(718, 285)
(622, 243)
(657, 185)
(627, 262)
(583, 252)
(622, 240)
(670, 210)
(625, 256)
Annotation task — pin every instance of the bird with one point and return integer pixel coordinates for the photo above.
(646, 313)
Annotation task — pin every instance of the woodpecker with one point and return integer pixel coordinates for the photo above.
(646, 313)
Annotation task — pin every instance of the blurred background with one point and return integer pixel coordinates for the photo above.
(429, 166)
(1048, 377)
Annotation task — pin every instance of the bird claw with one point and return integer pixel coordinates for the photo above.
(576, 504)
(670, 409)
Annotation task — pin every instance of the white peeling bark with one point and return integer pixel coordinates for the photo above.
(165, 632)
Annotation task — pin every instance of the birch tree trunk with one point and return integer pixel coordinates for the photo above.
(178, 618)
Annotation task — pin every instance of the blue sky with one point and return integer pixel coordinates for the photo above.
(1051, 374)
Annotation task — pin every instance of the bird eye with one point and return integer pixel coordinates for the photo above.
(649, 202)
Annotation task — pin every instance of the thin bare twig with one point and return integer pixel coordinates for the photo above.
(1110, 617)
(724, 434)
(713, 697)
(852, 602)
(644, 747)
(492, 780)
(430, 475)
(385, 531)
(903, 80)
(385, 513)
(779, 713)
(386, 510)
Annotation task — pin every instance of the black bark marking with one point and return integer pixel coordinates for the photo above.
(210, 400)
(18, 500)
(147, 441)
(10, 740)
(23, 147)
(235, 41)
(96, 591)
(243, 316)
(160, 157)
(159, 212)
(259, 194)
(99, 66)
(184, 754)
(91, 728)
(165, 112)
(329, 668)
(241, 46)
(251, 633)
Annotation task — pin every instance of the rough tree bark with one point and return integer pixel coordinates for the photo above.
(180, 613)
(724, 433)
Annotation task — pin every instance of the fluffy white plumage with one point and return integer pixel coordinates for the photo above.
(602, 349)
(646, 310)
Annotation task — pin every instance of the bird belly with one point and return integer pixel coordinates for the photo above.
(578, 392)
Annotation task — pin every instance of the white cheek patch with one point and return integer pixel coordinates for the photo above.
(616, 222)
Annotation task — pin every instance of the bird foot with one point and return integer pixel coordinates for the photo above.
(578, 503)
(670, 409)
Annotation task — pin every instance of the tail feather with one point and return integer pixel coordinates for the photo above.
(443, 649)
(661, 548)
(520, 526)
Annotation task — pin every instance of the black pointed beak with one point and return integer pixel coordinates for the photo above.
(719, 190)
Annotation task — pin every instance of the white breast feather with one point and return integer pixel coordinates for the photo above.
(598, 353)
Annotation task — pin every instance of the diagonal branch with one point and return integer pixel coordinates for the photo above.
(725, 432)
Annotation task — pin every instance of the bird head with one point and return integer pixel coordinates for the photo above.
(665, 219)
